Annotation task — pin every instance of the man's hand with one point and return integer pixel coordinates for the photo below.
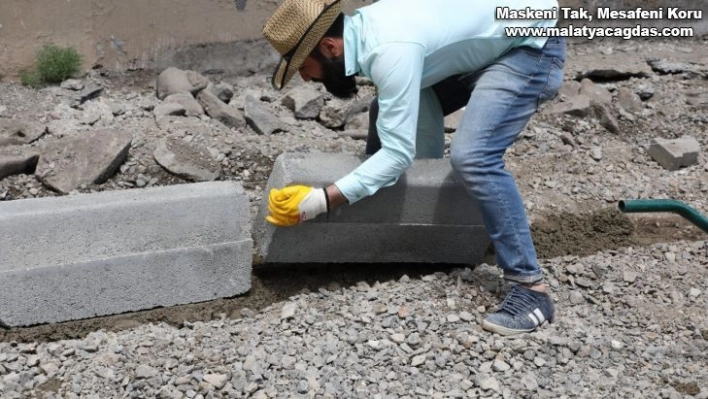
(295, 204)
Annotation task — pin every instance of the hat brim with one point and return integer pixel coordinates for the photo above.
(290, 63)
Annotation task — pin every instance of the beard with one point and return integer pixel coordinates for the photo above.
(334, 78)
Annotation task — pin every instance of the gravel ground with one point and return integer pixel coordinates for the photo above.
(617, 334)
(630, 291)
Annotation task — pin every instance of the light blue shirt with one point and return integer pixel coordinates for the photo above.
(406, 46)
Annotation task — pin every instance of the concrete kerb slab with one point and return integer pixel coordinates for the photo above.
(426, 217)
(88, 255)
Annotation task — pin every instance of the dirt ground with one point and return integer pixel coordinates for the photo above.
(554, 235)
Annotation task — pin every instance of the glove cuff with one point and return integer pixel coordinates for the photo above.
(314, 204)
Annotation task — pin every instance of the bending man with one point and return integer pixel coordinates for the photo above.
(429, 58)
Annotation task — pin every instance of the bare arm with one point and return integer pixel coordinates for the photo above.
(335, 196)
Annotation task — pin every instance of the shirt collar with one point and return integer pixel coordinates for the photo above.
(350, 39)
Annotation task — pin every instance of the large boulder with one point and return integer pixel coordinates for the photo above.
(629, 100)
(188, 102)
(260, 117)
(173, 80)
(83, 158)
(595, 92)
(187, 160)
(16, 160)
(17, 132)
(221, 111)
(306, 103)
(579, 105)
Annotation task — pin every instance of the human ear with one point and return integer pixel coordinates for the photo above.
(329, 47)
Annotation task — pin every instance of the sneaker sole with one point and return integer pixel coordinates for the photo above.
(501, 330)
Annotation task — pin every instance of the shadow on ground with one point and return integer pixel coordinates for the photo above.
(554, 234)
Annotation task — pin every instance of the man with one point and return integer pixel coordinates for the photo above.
(428, 58)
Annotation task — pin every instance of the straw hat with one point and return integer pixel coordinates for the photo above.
(295, 29)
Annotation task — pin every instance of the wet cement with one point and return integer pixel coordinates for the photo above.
(554, 235)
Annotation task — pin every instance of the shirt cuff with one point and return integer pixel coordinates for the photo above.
(351, 188)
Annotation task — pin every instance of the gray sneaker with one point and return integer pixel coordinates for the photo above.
(523, 310)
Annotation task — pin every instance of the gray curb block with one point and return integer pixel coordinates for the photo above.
(88, 255)
(426, 217)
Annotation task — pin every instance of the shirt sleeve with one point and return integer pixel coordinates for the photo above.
(396, 70)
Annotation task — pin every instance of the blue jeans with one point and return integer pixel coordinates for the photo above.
(501, 99)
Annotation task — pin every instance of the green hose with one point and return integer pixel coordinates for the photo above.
(665, 205)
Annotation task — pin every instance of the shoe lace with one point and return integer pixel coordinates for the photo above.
(517, 301)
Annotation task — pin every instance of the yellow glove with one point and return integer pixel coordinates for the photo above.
(295, 204)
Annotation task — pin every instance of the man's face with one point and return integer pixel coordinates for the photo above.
(330, 72)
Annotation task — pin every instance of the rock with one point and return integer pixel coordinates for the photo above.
(675, 154)
(607, 68)
(288, 311)
(303, 387)
(117, 109)
(488, 383)
(91, 91)
(570, 88)
(500, 366)
(169, 109)
(629, 100)
(250, 363)
(398, 338)
(223, 90)
(568, 139)
(17, 160)
(260, 118)
(3, 111)
(144, 371)
(453, 120)
(84, 158)
(358, 134)
(697, 99)
(418, 360)
(220, 111)
(578, 106)
(575, 268)
(357, 122)
(625, 115)
(414, 340)
(596, 152)
(188, 102)
(576, 298)
(91, 116)
(595, 92)
(305, 102)
(694, 292)
(669, 67)
(72, 84)
(583, 282)
(189, 161)
(18, 132)
(240, 101)
(217, 380)
(333, 115)
(604, 115)
(97, 113)
(173, 80)
(629, 277)
(645, 91)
